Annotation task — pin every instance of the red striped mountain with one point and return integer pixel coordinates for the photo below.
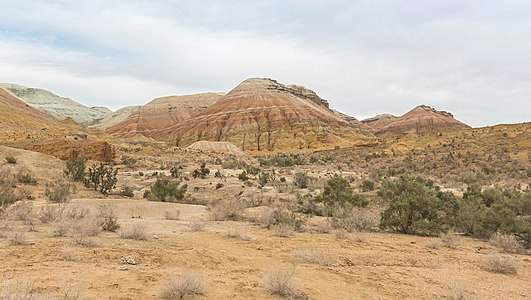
(420, 119)
(264, 115)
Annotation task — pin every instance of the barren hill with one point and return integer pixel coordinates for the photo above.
(262, 114)
(55, 106)
(420, 119)
(162, 113)
(116, 117)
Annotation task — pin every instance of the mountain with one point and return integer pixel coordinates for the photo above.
(420, 119)
(55, 106)
(161, 113)
(262, 114)
(116, 117)
(19, 121)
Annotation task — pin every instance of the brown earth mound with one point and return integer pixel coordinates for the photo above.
(421, 119)
(264, 115)
(162, 113)
(65, 149)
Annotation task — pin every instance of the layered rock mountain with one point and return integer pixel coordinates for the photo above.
(162, 113)
(19, 121)
(261, 114)
(55, 106)
(116, 117)
(420, 119)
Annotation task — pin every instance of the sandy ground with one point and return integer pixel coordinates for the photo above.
(366, 266)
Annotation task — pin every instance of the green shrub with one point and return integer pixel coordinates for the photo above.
(301, 180)
(27, 179)
(243, 176)
(128, 160)
(127, 191)
(59, 191)
(202, 172)
(416, 206)
(102, 178)
(366, 185)
(10, 159)
(107, 218)
(75, 168)
(176, 172)
(264, 178)
(337, 191)
(166, 190)
(7, 188)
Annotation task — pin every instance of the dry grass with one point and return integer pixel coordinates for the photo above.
(190, 283)
(450, 240)
(228, 211)
(506, 242)
(280, 281)
(501, 264)
(238, 233)
(17, 236)
(312, 256)
(283, 230)
(83, 230)
(48, 213)
(459, 291)
(134, 232)
(353, 219)
(172, 214)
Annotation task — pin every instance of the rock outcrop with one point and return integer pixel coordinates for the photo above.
(264, 115)
(65, 148)
(351, 120)
(162, 113)
(219, 147)
(421, 119)
(55, 106)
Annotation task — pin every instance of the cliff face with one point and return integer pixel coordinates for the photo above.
(162, 113)
(264, 115)
(420, 119)
(57, 107)
(65, 148)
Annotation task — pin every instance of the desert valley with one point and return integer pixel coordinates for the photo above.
(260, 192)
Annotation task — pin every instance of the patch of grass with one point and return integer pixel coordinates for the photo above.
(134, 232)
(190, 283)
(501, 264)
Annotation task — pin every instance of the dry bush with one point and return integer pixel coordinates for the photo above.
(7, 185)
(17, 236)
(190, 283)
(22, 211)
(134, 232)
(501, 264)
(48, 213)
(459, 291)
(450, 240)
(172, 214)
(353, 219)
(312, 256)
(82, 231)
(60, 227)
(69, 254)
(197, 226)
(279, 281)
(107, 218)
(434, 244)
(26, 291)
(283, 230)
(507, 242)
(238, 233)
(59, 191)
(228, 210)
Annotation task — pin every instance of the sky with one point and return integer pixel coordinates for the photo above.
(366, 57)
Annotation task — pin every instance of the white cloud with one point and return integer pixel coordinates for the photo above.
(366, 57)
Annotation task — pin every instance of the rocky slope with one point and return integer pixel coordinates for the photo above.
(162, 113)
(264, 115)
(116, 117)
(68, 148)
(55, 106)
(421, 119)
(19, 121)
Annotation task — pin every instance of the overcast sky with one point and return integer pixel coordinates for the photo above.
(472, 58)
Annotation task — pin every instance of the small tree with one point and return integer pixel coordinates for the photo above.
(75, 168)
(301, 180)
(102, 178)
(166, 190)
(338, 192)
(10, 159)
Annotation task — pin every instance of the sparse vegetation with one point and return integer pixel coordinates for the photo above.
(102, 178)
(202, 172)
(134, 231)
(231, 210)
(172, 214)
(507, 242)
(75, 168)
(501, 264)
(338, 192)
(301, 180)
(280, 281)
(59, 191)
(166, 190)
(190, 283)
(107, 218)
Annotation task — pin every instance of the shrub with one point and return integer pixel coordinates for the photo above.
(301, 180)
(366, 185)
(134, 232)
(107, 218)
(337, 191)
(10, 159)
(237, 233)
(128, 161)
(102, 178)
(500, 264)
(176, 172)
(82, 231)
(166, 190)
(172, 215)
(17, 237)
(282, 218)
(450, 240)
(312, 256)
(59, 191)
(27, 179)
(75, 168)
(190, 283)
(202, 172)
(459, 291)
(243, 176)
(507, 242)
(279, 281)
(23, 211)
(231, 210)
(264, 178)
(48, 213)
(127, 191)
(352, 219)
(7, 185)
(416, 206)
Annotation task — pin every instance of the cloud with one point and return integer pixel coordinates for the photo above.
(366, 57)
